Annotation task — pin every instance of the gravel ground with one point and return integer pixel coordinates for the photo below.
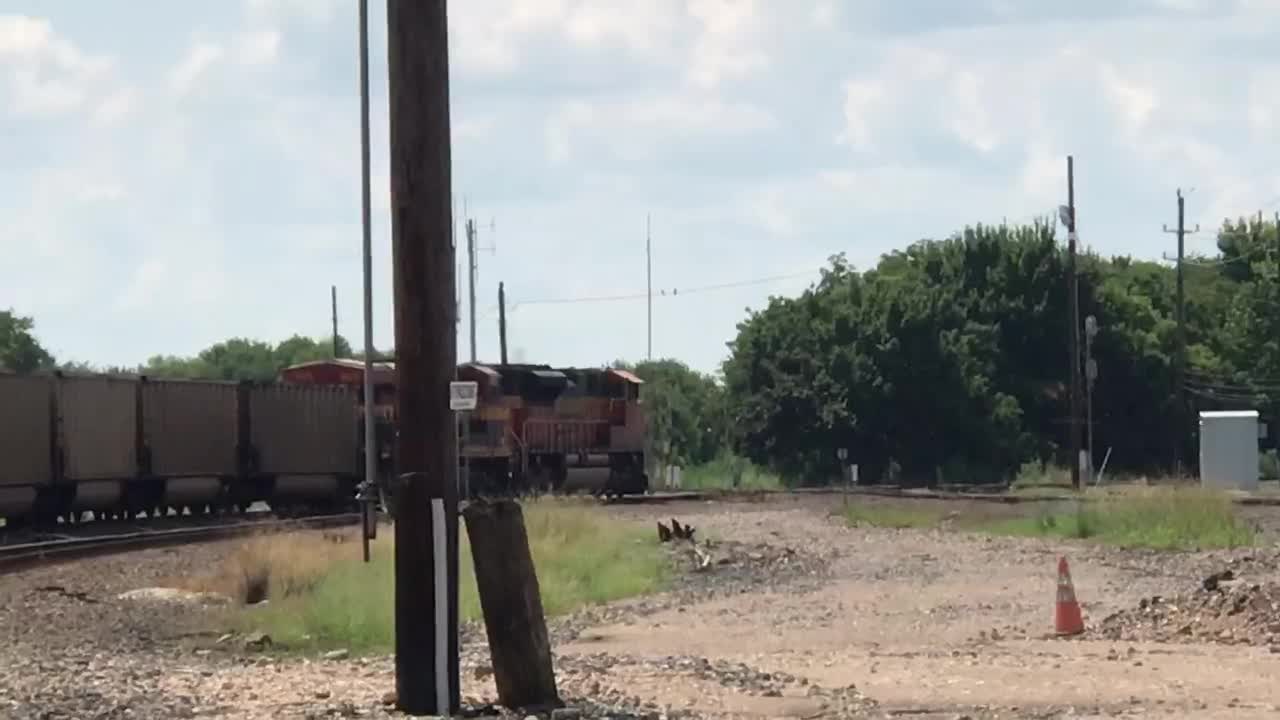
(797, 616)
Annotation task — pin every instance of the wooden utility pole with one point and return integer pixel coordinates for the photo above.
(502, 322)
(1180, 313)
(1073, 290)
(426, 528)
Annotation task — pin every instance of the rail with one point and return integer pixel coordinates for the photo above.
(23, 556)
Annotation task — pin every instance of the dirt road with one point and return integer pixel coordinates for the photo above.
(941, 624)
(806, 619)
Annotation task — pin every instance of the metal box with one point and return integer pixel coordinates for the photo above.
(1229, 450)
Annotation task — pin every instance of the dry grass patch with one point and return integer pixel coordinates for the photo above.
(275, 565)
(320, 595)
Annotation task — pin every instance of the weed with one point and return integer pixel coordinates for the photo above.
(719, 474)
(1159, 518)
(889, 516)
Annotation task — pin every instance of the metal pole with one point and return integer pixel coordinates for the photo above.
(426, 527)
(367, 493)
(648, 259)
(1090, 368)
(502, 322)
(1073, 291)
(471, 281)
(333, 302)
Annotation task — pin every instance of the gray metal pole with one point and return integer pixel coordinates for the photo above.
(648, 261)
(370, 440)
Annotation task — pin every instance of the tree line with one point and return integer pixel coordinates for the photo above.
(949, 359)
(232, 359)
(946, 361)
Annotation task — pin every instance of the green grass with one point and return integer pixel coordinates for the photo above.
(581, 558)
(1037, 478)
(1158, 518)
(718, 475)
(890, 516)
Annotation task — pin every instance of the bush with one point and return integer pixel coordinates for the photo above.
(718, 474)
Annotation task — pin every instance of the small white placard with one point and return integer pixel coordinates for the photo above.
(463, 395)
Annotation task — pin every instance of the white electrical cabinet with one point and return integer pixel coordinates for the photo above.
(1229, 449)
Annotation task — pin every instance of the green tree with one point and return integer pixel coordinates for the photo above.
(20, 351)
(686, 411)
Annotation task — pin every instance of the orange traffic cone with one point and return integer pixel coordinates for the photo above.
(1067, 619)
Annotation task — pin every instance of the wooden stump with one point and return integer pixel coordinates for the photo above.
(513, 616)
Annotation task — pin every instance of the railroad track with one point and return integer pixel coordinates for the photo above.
(889, 491)
(21, 556)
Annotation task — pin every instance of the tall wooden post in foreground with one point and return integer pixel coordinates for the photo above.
(512, 606)
(426, 529)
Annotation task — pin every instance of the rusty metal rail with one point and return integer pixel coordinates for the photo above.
(33, 554)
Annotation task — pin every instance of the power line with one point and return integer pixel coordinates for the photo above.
(673, 292)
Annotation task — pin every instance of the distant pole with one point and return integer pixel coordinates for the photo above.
(648, 260)
(502, 322)
(1180, 356)
(471, 281)
(1073, 291)
(333, 309)
(426, 528)
(1090, 376)
(367, 493)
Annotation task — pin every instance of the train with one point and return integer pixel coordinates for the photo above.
(80, 446)
(535, 428)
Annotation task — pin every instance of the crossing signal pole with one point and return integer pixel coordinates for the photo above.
(1067, 214)
(426, 528)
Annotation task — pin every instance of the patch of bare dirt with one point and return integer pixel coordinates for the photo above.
(1225, 609)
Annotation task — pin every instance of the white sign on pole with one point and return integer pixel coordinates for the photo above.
(463, 395)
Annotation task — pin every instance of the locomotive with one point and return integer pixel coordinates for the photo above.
(535, 428)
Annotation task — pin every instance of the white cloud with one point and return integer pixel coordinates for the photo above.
(863, 100)
(199, 58)
(632, 125)
(115, 107)
(319, 12)
(258, 47)
(48, 75)
(763, 137)
(728, 44)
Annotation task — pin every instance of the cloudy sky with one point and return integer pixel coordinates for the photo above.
(176, 172)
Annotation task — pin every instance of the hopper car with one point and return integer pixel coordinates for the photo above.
(74, 447)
